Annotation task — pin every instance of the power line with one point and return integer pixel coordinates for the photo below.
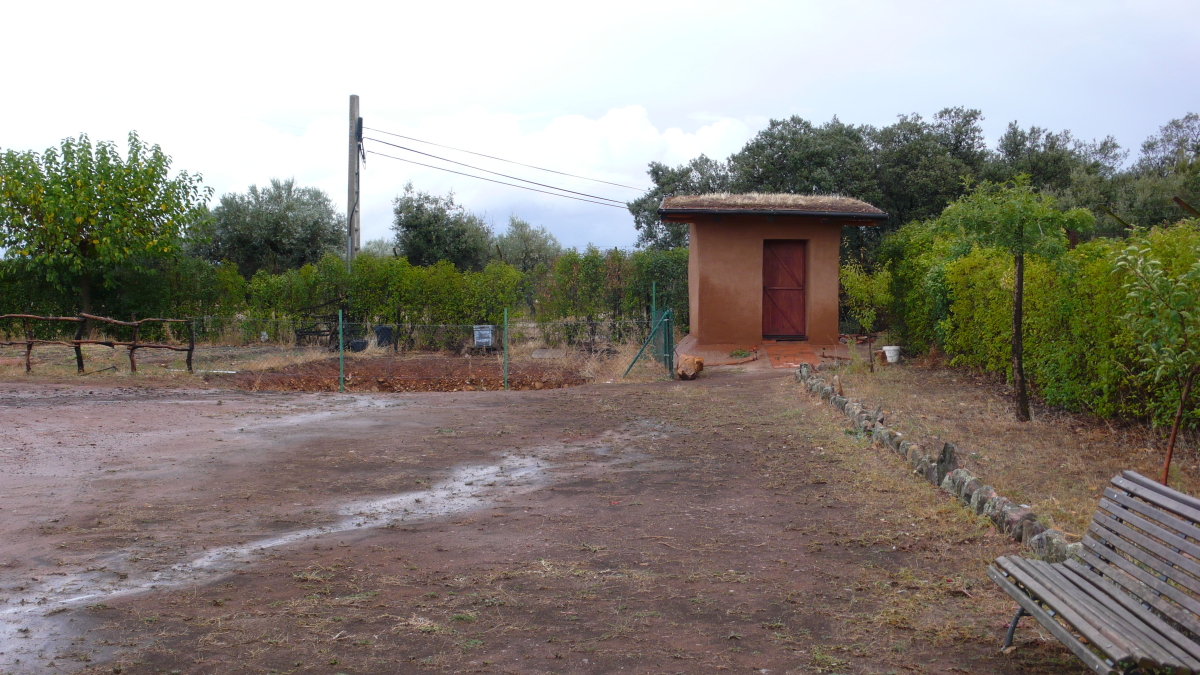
(497, 173)
(501, 159)
(492, 180)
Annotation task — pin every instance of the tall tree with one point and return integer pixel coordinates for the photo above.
(379, 248)
(1014, 217)
(525, 247)
(795, 156)
(430, 229)
(702, 175)
(1050, 159)
(1175, 146)
(919, 167)
(279, 227)
(80, 214)
(1142, 195)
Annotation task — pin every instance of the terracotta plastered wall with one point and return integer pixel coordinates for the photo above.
(725, 276)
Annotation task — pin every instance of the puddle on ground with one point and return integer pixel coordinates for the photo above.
(34, 624)
(39, 632)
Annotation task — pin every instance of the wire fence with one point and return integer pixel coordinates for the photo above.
(323, 353)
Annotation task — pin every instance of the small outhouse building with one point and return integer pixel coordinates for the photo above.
(764, 267)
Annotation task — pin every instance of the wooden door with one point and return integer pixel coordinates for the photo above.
(783, 288)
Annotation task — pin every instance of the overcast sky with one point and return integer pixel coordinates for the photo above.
(242, 92)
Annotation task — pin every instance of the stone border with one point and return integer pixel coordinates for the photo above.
(1015, 520)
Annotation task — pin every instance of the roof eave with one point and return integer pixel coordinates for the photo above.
(773, 212)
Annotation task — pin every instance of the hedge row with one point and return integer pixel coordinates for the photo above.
(589, 286)
(1079, 353)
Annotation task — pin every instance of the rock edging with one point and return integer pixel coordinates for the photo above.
(941, 469)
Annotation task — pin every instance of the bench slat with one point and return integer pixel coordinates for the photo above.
(1090, 658)
(1158, 646)
(1114, 645)
(1130, 603)
(1133, 593)
(1182, 527)
(1143, 584)
(1182, 509)
(1064, 595)
(1155, 486)
(1163, 535)
(1126, 540)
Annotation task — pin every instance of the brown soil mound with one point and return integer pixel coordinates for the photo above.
(391, 374)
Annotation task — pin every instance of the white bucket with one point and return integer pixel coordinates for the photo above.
(892, 353)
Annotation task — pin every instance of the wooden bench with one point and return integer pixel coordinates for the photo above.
(1133, 603)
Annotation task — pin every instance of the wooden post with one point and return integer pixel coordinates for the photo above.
(191, 343)
(352, 225)
(79, 347)
(28, 346)
(132, 348)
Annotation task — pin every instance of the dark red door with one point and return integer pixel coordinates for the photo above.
(783, 288)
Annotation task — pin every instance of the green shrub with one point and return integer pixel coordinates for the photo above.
(1079, 354)
(584, 292)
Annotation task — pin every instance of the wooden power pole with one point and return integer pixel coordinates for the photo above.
(353, 222)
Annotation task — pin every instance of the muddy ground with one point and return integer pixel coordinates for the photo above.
(403, 374)
(725, 525)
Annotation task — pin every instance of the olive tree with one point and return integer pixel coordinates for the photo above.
(430, 228)
(279, 227)
(525, 247)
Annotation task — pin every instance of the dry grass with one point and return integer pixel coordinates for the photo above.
(771, 201)
(56, 363)
(1059, 463)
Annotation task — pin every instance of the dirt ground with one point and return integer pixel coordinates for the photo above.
(729, 524)
(406, 373)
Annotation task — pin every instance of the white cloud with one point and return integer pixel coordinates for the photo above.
(615, 147)
(244, 91)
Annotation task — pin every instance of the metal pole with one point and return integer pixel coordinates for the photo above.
(352, 225)
(505, 349)
(654, 330)
(341, 355)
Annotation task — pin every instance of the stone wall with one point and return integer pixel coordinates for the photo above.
(940, 467)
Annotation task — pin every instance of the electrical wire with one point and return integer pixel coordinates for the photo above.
(497, 173)
(492, 180)
(501, 159)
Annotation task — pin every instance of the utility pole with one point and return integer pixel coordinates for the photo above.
(353, 222)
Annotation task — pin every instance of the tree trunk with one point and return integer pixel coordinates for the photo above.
(1018, 366)
(85, 300)
(1187, 388)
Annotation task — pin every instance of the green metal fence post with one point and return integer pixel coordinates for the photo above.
(341, 355)
(653, 331)
(505, 349)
